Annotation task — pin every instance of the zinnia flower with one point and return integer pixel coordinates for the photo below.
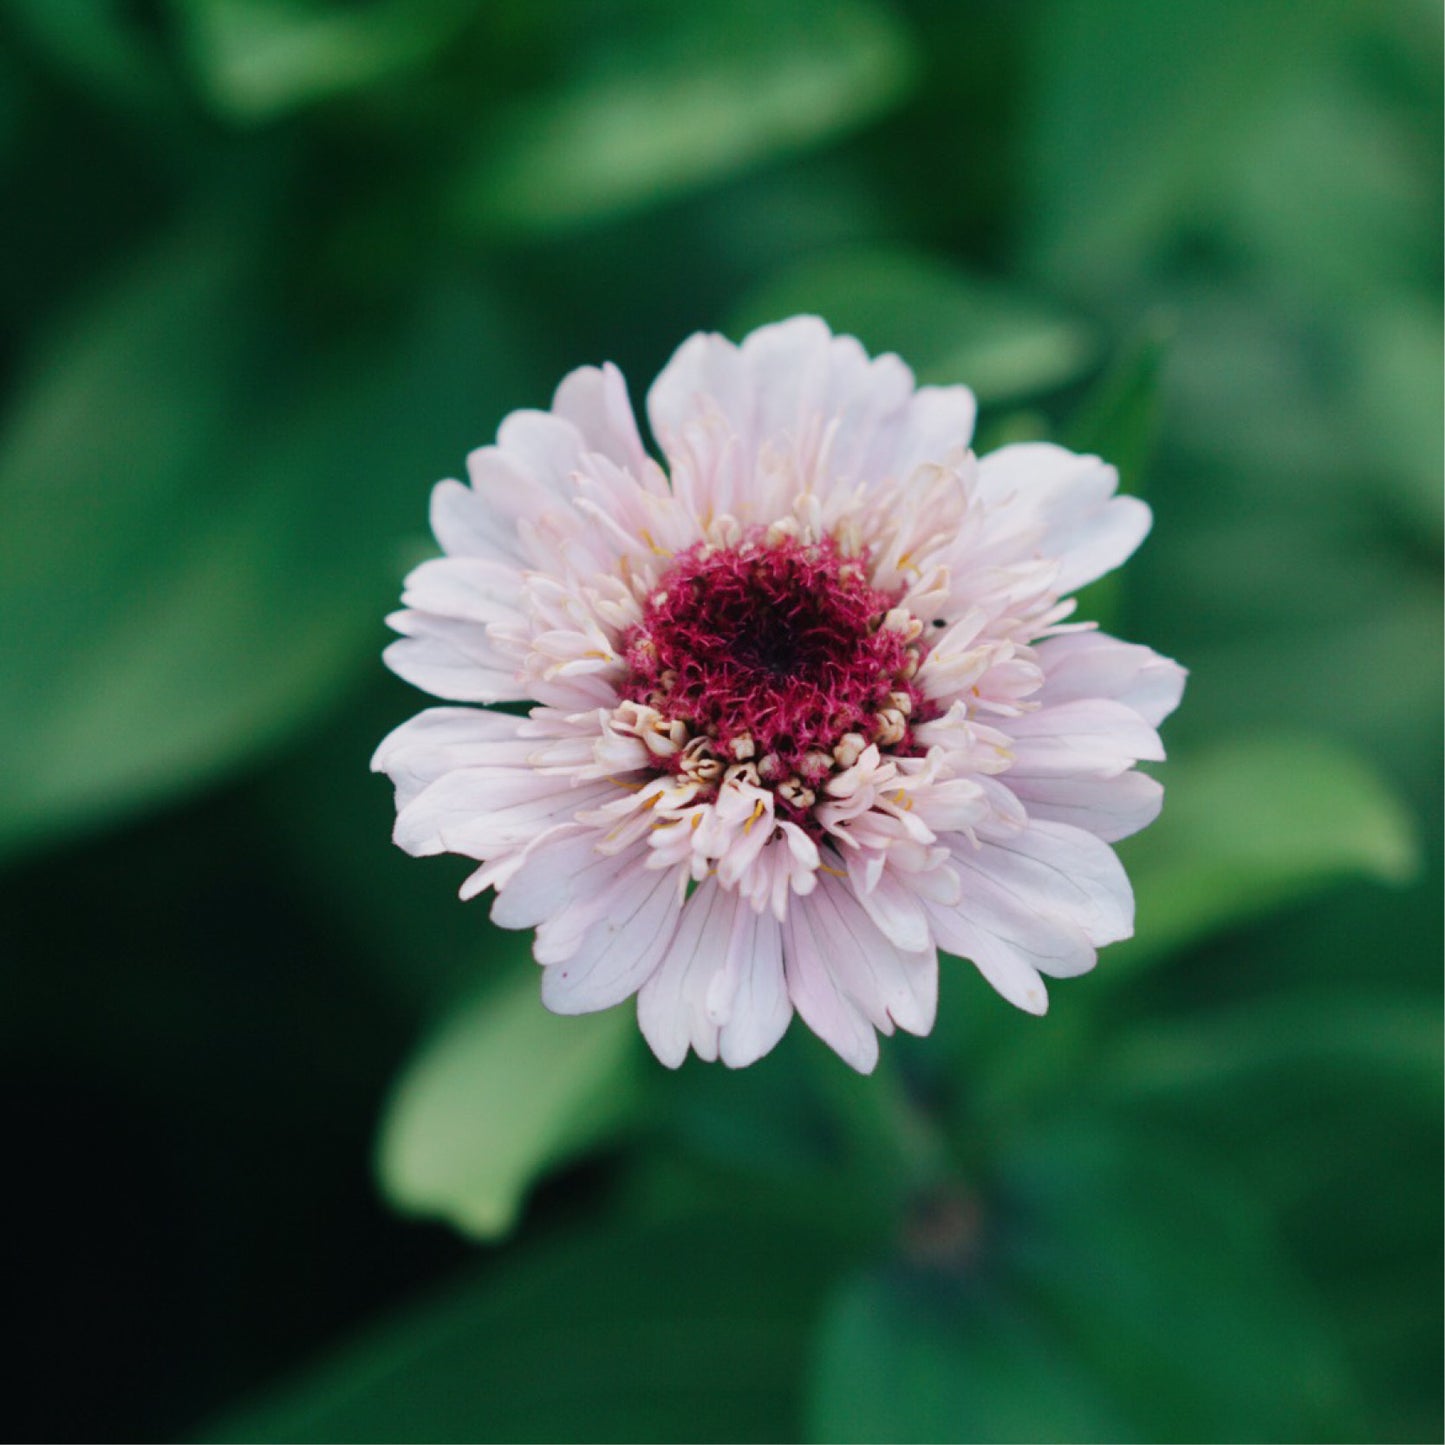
(805, 705)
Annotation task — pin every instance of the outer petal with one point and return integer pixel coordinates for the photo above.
(720, 989)
(1060, 872)
(1083, 665)
(481, 812)
(1081, 739)
(846, 978)
(444, 739)
(635, 920)
(1109, 808)
(1051, 503)
(594, 400)
(797, 388)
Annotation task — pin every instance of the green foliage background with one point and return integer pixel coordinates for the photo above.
(295, 1153)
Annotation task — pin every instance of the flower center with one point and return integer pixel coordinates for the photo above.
(775, 656)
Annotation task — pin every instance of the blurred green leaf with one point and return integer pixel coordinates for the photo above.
(704, 92)
(907, 1358)
(1135, 113)
(257, 59)
(948, 325)
(1118, 419)
(1101, 1284)
(197, 518)
(666, 1333)
(1399, 367)
(501, 1092)
(1168, 1276)
(1251, 826)
(1341, 1032)
(101, 44)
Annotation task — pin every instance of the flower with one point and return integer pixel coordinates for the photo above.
(806, 707)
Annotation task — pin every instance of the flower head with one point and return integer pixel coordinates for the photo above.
(806, 705)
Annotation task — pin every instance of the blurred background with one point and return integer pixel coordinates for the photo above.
(295, 1152)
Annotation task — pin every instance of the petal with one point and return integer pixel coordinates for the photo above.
(815, 993)
(761, 1008)
(1060, 872)
(554, 873)
(1048, 942)
(890, 985)
(1082, 665)
(636, 921)
(443, 739)
(451, 659)
(721, 989)
(480, 812)
(594, 400)
(1055, 504)
(1007, 971)
(937, 424)
(1097, 738)
(1109, 808)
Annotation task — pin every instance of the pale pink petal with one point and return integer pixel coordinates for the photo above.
(1058, 871)
(720, 990)
(553, 874)
(443, 739)
(479, 812)
(1047, 941)
(1056, 504)
(1082, 665)
(1109, 808)
(761, 1009)
(452, 660)
(890, 985)
(815, 993)
(594, 400)
(636, 919)
(1005, 968)
(1081, 739)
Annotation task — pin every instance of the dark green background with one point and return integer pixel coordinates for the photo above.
(270, 268)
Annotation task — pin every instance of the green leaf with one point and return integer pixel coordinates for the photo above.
(501, 1092)
(258, 59)
(1172, 1283)
(703, 94)
(1119, 417)
(1250, 827)
(671, 1332)
(102, 45)
(1399, 372)
(198, 517)
(1138, 111)
(948, 325)
(1339, 1032)
(905, 1357)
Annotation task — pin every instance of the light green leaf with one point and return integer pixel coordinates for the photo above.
(690, 1331)
(1400, 350)
(1249, 827)
(948, 325)
(706, 92)
(500, 1093)
(197, 529)
(261, 58)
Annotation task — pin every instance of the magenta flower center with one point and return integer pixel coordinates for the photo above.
(779, 654)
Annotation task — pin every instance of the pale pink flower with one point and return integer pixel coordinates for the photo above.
(806, 705)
